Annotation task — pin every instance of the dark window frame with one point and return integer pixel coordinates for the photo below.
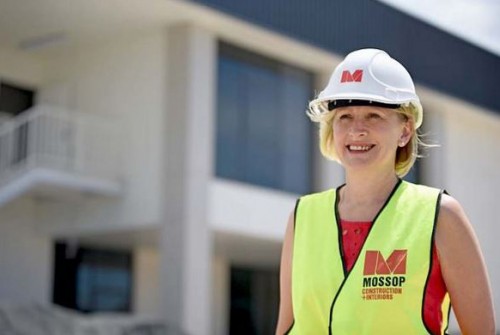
(254, 300)
(70, 259)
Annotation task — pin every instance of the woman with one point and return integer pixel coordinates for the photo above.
(378, 255)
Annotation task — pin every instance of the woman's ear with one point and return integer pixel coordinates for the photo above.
(406, 133)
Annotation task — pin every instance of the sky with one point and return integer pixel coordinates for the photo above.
(476, 21)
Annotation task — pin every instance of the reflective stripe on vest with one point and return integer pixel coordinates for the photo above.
(384, 291)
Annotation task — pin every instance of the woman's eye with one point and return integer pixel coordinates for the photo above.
(345, 117)
(374, 116)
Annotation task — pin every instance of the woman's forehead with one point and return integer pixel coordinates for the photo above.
(365, 109)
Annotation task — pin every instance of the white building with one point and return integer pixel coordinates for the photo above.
(120, 163)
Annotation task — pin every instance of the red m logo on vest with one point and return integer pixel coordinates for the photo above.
(348, 77)
(376, 264)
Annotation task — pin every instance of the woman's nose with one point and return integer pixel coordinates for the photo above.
(358, 128)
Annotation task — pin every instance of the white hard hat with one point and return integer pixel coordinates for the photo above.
(368, 77)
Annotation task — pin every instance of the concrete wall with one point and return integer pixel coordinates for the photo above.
(20, 68)
(249, 210)
(472, 176)
(221, 298)
(25, 256)
(466, 164)
(147, 285)
(126, 79)
(146, 281)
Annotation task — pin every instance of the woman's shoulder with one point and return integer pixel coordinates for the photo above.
(451, 211)
(463, 267)
(453, 226)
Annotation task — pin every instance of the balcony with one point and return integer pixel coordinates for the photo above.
(51, 152)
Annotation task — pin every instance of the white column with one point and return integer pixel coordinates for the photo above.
(186, 241)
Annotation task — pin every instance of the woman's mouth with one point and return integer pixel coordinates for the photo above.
(359, 148)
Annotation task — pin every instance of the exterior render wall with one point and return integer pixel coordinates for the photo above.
(466, 164)
(124, 79)
(472, 175)
(146, 300)
(25, 256)
(20, 68)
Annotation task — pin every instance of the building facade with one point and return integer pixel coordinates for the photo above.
(151, 152)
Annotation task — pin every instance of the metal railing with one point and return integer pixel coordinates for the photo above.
(46, 136)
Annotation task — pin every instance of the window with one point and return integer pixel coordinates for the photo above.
(254, 301)
(263, 135)
(14, 99)
(92, 280)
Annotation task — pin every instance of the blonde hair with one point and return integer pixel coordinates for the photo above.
(405, 156)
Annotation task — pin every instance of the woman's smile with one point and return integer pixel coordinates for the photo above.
(359, 148)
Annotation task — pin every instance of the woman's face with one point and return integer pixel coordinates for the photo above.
(368, 137)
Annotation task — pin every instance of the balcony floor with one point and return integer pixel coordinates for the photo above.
(43, 182)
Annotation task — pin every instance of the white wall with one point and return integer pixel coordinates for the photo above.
(125, 78)
(21, 68)
(466, 164)
(147, 285)
(473, 177)
(25, 256)
(221, 296)
(146, 281)
(240, 208)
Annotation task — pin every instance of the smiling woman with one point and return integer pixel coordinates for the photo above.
(390, 249)
(406, 155)
(363, 134)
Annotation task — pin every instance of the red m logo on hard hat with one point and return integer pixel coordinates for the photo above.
(376, 264)
(347, 77)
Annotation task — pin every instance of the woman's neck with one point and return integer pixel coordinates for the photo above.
(363, 195)
(364, 187)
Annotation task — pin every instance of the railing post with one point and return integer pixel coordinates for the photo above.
(78, 143)
(31, 137)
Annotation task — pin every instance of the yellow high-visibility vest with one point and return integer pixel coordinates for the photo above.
(384, 291)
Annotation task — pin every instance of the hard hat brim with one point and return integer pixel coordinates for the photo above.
(320, 105)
